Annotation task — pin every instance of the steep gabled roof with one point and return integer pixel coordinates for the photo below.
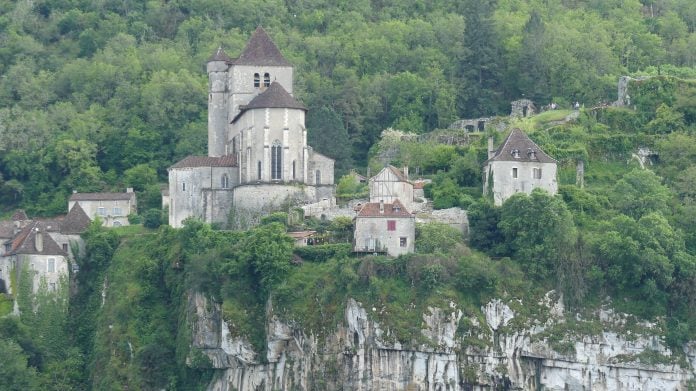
(260, 50)
(206, 161)
(219, 55)
(371, 209)
(518, 141)
(26, 241)
(76, 221)
(102, 196)
(7, 229)
(398, 173)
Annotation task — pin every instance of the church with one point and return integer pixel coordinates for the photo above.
(258, 158)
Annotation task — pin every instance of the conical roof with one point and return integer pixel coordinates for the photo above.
(219, 55)
(518, 147)
(274, 96)
(260, 50)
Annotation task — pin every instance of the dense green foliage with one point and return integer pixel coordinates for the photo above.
(97, 96)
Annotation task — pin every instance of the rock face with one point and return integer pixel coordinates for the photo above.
(454, 353)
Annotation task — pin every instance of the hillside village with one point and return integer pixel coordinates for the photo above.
(335, 217)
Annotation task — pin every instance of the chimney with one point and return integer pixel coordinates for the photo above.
(74, 191)
(381, 207)
(491, 150)
(405, 170)
(38, 240)
(580, 174)
(129, 189)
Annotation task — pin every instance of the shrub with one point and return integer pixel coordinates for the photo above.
(152, 218)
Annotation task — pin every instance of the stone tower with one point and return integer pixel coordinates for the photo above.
(233, 83)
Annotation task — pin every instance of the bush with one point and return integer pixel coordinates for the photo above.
(323, 252)
(134, 219)
(152, 218)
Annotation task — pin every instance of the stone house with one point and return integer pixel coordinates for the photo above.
(391, 184)
(518, 165)
(45, 247)
(258, 156)
(384, 228)
(112, 208)
(33, 249)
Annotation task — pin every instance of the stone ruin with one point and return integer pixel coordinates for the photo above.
(471, 125)
(522, 108)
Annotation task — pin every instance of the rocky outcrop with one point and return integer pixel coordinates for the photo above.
(454, 352)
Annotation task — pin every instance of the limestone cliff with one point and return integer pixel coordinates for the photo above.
(498, 350)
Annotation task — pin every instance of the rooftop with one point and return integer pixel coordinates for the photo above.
(206, 161)
(372, 209)
(518, 147)
(260, 50)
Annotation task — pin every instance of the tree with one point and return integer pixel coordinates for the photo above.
(14, 372)
(640, 192)
(268, 250)
(538, 231)
(436, 237)
(327, 134)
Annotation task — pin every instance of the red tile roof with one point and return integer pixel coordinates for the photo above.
(372, 209)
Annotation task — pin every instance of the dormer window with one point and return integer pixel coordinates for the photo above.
(257, 80)
(531, 154)
(266, 79)
(516, 153)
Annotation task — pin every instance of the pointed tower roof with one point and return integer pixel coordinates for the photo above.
(260, 50)
(219, 55)
(518, 147)
(275, 96)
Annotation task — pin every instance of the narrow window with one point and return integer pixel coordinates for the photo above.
(402, 241)
(65, 247)
(101, 211)
(293, 170)
(258, 170)
(183, 186)
(257, 80)
(317, 178)
(514, 172)
(266, 80)
(391, 225)
(276, 160)
(51, 266)
(536, 173)
(225, 182)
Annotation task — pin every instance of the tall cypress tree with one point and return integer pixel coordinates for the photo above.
(481, 67)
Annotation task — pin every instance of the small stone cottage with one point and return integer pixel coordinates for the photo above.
(384, 228)
(518, 165)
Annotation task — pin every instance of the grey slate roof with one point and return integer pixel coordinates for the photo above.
(260, 50)
(102, 196)
(76, 221)
(206, 161)
(7, 229)
(219, 55)
(519, 141)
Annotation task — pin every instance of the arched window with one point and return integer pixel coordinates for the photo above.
(258, 170)
(257, 80)
(266, 79)
(225, 181)
(276, 160)
(317, 179)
